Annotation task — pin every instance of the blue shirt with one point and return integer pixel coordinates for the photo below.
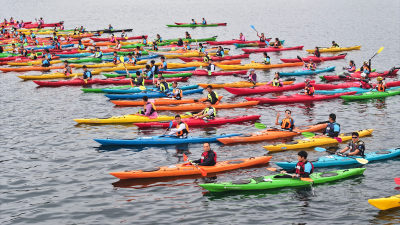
(308, 168)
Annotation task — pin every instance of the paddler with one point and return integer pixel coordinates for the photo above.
(180, 42)
(206, 57)
(87, 75)
(303, 168)
(220, 51)
(309, 88)
(81, 46)
(110, 27)
(163, 86)
(131, 59)
(365, 68)
(207, 113)
(381, 87)
(176, 92)
(310, 65)
(158, 39)
(332, 129)
(139, 79)
(334, 45)
(212, 96)
(147, 71)
(118, 45)
(113, 39)
(67, 69)
(266, 59)
(277, 81)
(287, 123)
(154, 68)
(149, 109)
(138, 52)
(208, 157)
(33, 55)
(204, 22)
(201, 48)
(210, 67)
(356, 146)
(144, 40)
(123, 34)
(365, 82)
(317, 53)
(47, 59)
(187, 35)
(187, 46)
(164, 64)
(351, 68)
(181, 130)
(241, 37)
(115, 59)
(193, 22)
(252, 77)
(98, 54)
(277, 43)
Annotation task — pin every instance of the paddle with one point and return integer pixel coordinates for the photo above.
(122, 59)
(273, 169)
(360, 160)
(252, 27)
(169, 127)
(203, 172)
(379, 51)
(397, 180)
(263, 126)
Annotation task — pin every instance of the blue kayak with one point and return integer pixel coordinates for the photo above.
(343, 90)
(49, 47)
(307, 72)
(137, 90)
(161, 140)
(178, 69)
(140, 58)
(149, 95)
(336, 160)
(80, 55)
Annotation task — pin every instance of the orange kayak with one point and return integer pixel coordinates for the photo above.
(185, 170)
(30, 68)
(159, 101)
(271, 134)
(201, 106)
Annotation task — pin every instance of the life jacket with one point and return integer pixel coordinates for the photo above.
(144, 41)
(177, 93)
(276, 83)
(204, 155)
(87, 75)
(213, 101)
(381, 87)
(301, 166)
(153, 107)
(204, 22)
(112, 39)
(359, 145)
(330, 129)
(206, 58)
(253, 77)
(365, 83)
(164, 86)
(165, 65)
(220, 53)
(267, 60)
(137, 81)
(67, 70)
(335, 45)
(183, 132)
(132, 61)
(156, 70)
(210, 116)
(98, 54)
(115, 60)
(287, 124)
(309, 90)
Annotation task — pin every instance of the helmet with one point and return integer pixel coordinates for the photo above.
(379, 78)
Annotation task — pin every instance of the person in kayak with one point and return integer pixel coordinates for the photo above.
(277, 43)
(147, 71)
(201, 48)
(144, 40)
(164, 64)
(351, 68)
(115, 59)
(181, 130)
(193, 22)
(208, 157)
(154, 68)
(138, 51)
(67, 69)
(113, 39)
(220, 51)
(87, 75)
(203, 21)
(332, 129)
(210, 67)
(163, 86)
(123, 35)
(176, 92)
(304, 168)
(110, 27)
(118, 45)
(131, 59)
(356, 146)
(180, 42)
(381, 86)
(365, 68)
(309, 88)
(365, 82)
(317, 53)
(310, 65)
(158, 39)
(334, 45)
(46, 60)
(252, 77)
(187, 46)
(208, 113)
(212, 96)
(287, 123)
(277, 81)
(187, 35)
(262, 37)
(149, 108)
(98, 54)
(241, 37)
(266, 59)
(81, 46)
(206, 57)
(139, 79)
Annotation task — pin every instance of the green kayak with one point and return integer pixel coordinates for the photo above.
(274, 181)
(85, 60)
(100, 90)
(193, 25)
(371, 95)
(144, 52)
(132, 46)
(112, 75)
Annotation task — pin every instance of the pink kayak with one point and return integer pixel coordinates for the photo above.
(35, 25)
(357, 75)
(219, 24)
(218, 73)
(191, 122)
(297, 98)
(231, 42)
(315, 59)
(215, 58)
(271, 49)
(118, 38)
(350, 84)
(264, 89)
(81, 82)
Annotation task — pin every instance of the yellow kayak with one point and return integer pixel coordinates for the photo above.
(240, 84)
(336, 49)
(258, 66)
(385, 203)
(313, 142)
(190, 54)
(109, 64)
(35, 62)
(54, 75)
(131, 118)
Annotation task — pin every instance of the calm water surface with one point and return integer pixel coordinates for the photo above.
(54, 173)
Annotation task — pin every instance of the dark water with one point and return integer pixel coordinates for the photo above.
(54, 173)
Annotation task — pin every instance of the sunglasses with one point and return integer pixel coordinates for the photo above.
(354, 137)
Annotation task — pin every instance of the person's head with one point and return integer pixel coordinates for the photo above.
(276, 39)
(354, 136)
(138, 47)
(252, 71)
(262, 34)
(206, 147)
(277, 75)
(147, 67)
(143, 36)
(115, 53)
(47, 50)
(112, 35)
(158, 36)
(288, 113)
(302, 156)
(178, 118)
(130, 55)
(137, 74)
(145, 98)
(187, 33)
(316, 48)
(209, 88)
(365, 63)
(333, 42)
(193, 20)
(379, 79)
(241, 34)
(311, 61)
(351, 62)
(200, 45)
(175, 84)
(265, 54)
(332, 117)
(65, 62)
(208, 103)
(162, 79)
(84, 67)
(162, 58)
(152, 62)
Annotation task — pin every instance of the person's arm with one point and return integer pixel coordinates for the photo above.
(345, 149)
(175, 130)
(355, 152)
(277, 119)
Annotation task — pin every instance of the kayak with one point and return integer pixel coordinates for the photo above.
(188, 169)
(160, 140)
(130, 118)
(385, 203)
(138, 90)
(264, 89)
(271, 49)
(371, 95)
(190, 54)
(191, 122)
(256, 44)
(161, 71)
(97, 39)
(296, 98)
(192, 25)
(200, 106)
(278, 181)
(307, 72)
(316, 59)
(113, 75)
(219, 73)
(350, 84)
(149, 95)
(215, 58)
(271, 134)
(53, 76)
(335, 49)
(314, 142)
(357, 75)
(112, 31)
(107, 64)
(219, 24)
(80, 82)
(358, 90)
(258, 66)
(30, 68)
(336, 160)
(159, 101)
(240, 84)
(231, 42)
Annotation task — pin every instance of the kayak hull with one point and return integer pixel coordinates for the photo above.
(131, 118)
(307, 72)
(149, 95)
(260, 66)
(358, 47)
(315, 59)
(385, 203)
(371, 95)
(283, 99)
(271, 49)
(264, 89)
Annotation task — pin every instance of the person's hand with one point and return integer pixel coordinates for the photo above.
(278, 114)
(283, 171)
(168, 129)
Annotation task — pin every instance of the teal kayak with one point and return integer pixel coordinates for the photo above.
(138, 90)
(351, 89)
(307, 72)
(279, 181)
(371, 95)
(128, 87)
(166, 75)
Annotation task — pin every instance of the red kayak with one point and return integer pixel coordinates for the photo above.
(215, 58)
(231, 42)
(118, 38)
(35, 25)
(219, 24)
(350, 84)
(217, 73)
(200, 122)
(264, 89)
(357, 75)
(271, 49)
(315, 59)
(297, 98)
(81, 82)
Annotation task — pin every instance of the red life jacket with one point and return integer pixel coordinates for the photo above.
(204, 155)
(300, 168)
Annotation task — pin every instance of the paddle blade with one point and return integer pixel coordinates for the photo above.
(170, 124)
(203, 172)
(339, 139)
(122, 59)
(397, 180)
(299, 58)
(319, 149)
(252, 27)
(362, 161)
(185, 158)
(142, 88)
(307, 179)
(272, 169)
(308, 134)
(260, 125)
(379, 51)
